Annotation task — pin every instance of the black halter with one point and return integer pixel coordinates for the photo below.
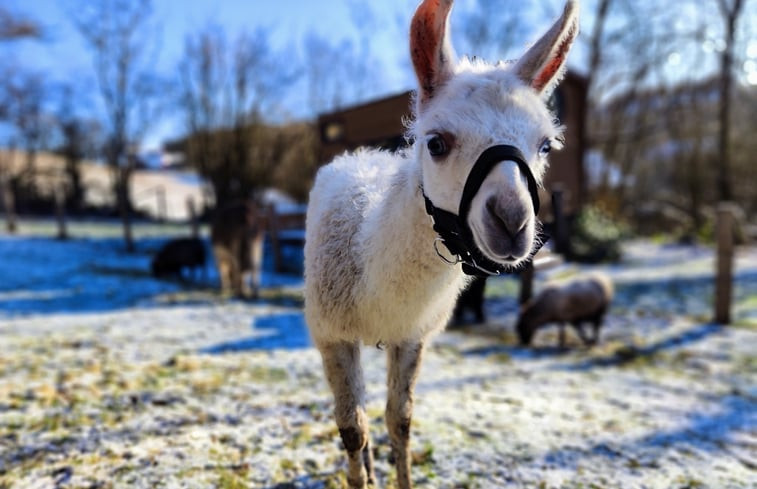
(454, 231)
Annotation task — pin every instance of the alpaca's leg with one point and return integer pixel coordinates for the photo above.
(341, 361)
(404, 363)
(596, 325)
(562, 334)
(579, 327)
(223, 263)
(256, 264)
(240, 261)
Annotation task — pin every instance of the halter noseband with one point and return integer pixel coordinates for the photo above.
(453, 230)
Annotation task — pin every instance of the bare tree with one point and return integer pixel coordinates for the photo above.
(730, 11)
(27, 92)
(225, 90)
(78, 137)
(116, 32)
(8, 198)
(658, 112)
(13, 26)
(493, 28)
(338, 73)
(298, 160)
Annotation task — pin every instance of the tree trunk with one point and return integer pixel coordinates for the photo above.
(724, 165)
(60, 213)
(730, 15)
(76, 197)
(124, 207)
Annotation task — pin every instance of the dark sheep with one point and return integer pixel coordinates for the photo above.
(176, 255)
(575, 302)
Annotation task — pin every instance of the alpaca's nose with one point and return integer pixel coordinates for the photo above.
(513, 219)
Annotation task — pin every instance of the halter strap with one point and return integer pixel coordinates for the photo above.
(485, 163)
(453, 230)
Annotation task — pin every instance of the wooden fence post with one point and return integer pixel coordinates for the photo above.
(160, 195)
(60, 213)
(192, 212)
(9, 205)
(724, 267)
(273, 233)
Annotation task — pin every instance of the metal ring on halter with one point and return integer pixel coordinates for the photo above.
(444, 258)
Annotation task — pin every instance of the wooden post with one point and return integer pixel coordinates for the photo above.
(724, 266)
(9, 205)
(526, 283)
(192, 212)
(160, 194)
(124, 210)
(558, 214)
(60, 213)
(273, 230)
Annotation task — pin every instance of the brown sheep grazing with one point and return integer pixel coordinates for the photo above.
(177, 254)
(575, 302)
(237, 236)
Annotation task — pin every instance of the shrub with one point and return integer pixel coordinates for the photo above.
(596, 237)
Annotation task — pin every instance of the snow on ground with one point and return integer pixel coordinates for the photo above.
(110, 378)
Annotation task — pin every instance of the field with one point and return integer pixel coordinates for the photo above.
(112, 379)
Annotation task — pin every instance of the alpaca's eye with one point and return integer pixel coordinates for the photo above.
(546, 147)
(437, 146)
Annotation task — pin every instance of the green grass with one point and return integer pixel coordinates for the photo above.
(748, 302)
(228, 479)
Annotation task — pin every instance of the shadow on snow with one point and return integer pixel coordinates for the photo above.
(45, 276)
(698, 433)
(277, 331)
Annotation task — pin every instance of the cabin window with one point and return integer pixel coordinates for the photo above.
(333, 132)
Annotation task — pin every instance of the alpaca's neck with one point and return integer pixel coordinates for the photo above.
(405, 284)
(402, 225)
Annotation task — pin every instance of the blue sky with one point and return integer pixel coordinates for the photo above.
(287, 20)
(63, 57)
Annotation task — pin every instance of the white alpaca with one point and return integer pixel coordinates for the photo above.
(371, 265)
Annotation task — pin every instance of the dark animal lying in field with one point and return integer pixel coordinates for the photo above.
(471, 299)
(178, 254)
(237, 236)
(574, 302)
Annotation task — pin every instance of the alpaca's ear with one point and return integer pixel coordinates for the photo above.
(544, 63)
(430, 49)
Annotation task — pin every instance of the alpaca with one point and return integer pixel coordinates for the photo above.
(373, 272)
(580, 300)
(236, 233)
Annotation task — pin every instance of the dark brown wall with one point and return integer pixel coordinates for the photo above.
(566, 166)
(378, 123)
